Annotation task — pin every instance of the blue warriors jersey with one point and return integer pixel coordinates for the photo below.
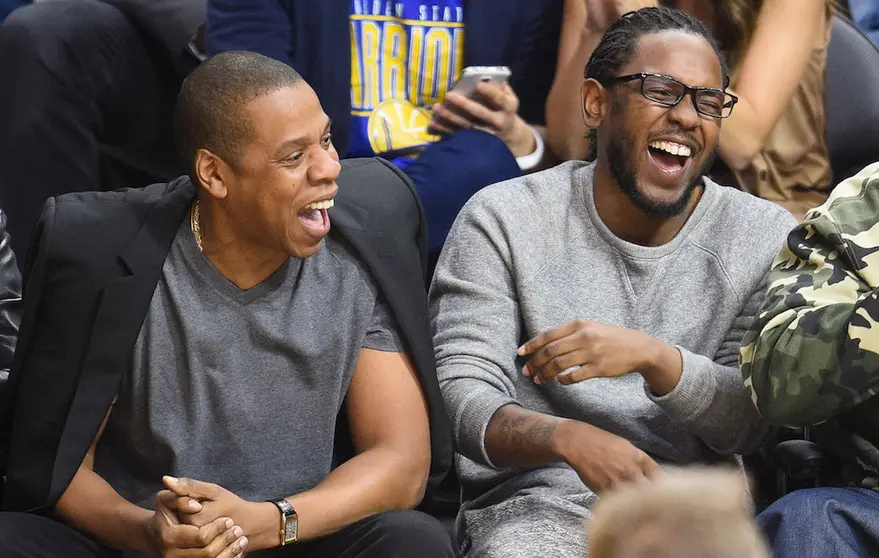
(405, 56)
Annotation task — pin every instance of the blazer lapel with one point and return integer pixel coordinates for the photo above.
(384, 256)
(122, 307)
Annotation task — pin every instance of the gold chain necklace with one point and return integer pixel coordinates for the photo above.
(194, 224)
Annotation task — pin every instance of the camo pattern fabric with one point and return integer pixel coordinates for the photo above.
(813, 351)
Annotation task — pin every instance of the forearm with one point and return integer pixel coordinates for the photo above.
(743, 135)
(374, 481)
(91, 505)
(566, 131)
(663, 366)
(793, 370)
(518, 437)
(711, 402)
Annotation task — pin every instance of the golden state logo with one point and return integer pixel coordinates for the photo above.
(398, 125)
(405, 56)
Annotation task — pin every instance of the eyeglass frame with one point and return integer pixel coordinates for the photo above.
(687, 90)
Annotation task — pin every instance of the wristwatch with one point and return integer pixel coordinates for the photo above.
(289, 522)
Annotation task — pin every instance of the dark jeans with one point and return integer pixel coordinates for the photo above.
(824, 523)
(398, 534)
(84, 97)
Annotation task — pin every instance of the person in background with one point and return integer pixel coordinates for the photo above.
(686, 513)
(383, 70)
(773, 146)
(812, 358)
(6, 7)
(865, 14)
(238, 360)
(86, 99)
(587, 318)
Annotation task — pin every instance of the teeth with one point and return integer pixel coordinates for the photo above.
(320, 205)
(672, 147)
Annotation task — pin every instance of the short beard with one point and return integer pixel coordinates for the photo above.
(619, 159)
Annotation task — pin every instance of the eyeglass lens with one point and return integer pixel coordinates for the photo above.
(669, 92)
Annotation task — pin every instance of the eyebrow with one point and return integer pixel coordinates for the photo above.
(300, 141)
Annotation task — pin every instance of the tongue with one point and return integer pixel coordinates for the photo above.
(312, 217)
(667, 161)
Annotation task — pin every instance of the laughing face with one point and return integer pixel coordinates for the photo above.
(657, 154)
(285, 179)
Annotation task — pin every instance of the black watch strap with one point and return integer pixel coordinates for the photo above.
(289, 522)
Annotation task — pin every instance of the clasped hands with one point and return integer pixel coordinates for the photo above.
(195, 519)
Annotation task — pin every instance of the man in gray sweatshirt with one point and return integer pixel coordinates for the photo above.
(587, 319)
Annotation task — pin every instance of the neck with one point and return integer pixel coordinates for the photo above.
(626, 221)
(245, 264)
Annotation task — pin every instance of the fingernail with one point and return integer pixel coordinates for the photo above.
(195, 504)
(537, 380)
(526, 370)
(521, 350)
(238, 531)
(172, 480)
(243, 542)
(229, 523)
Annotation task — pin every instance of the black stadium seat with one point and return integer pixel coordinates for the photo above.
(852, 100)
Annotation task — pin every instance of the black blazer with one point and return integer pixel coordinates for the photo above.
(95, 260)
(10, 300)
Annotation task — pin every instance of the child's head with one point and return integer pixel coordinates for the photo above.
(687, 513)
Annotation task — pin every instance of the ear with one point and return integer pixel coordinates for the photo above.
(594, 107)
(213, 173)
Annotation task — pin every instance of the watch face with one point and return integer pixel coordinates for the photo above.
(291, 530)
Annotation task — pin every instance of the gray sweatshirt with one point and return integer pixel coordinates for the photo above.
(532, 253)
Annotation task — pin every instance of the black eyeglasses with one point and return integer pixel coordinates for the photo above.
(668, 91)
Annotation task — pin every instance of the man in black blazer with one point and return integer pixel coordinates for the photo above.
(186, 350)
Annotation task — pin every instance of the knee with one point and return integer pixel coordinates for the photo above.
(486, 158)
(53, 31)
(411, 533)
(16, 534)
(801, 511)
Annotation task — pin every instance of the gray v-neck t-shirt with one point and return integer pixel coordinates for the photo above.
(242, 388)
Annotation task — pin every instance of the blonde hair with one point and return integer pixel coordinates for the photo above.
(688, 513)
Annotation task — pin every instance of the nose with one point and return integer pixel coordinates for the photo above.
(684, 113)
(325, 166)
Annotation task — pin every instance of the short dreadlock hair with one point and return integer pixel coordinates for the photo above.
(620, 41)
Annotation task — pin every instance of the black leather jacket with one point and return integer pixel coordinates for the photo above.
(10, 300)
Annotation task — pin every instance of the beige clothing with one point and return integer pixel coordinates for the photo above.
(793, 168)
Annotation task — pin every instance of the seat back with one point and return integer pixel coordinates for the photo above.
(852, 100)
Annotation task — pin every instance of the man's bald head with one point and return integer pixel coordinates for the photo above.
(210, 107)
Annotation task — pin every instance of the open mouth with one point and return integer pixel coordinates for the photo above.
(315, 219)
(670, 157)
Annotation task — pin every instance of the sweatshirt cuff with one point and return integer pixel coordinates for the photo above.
(694, 392)
(472, 422)
(528, 162)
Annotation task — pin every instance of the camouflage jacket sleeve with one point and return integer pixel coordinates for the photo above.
(813, 351)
